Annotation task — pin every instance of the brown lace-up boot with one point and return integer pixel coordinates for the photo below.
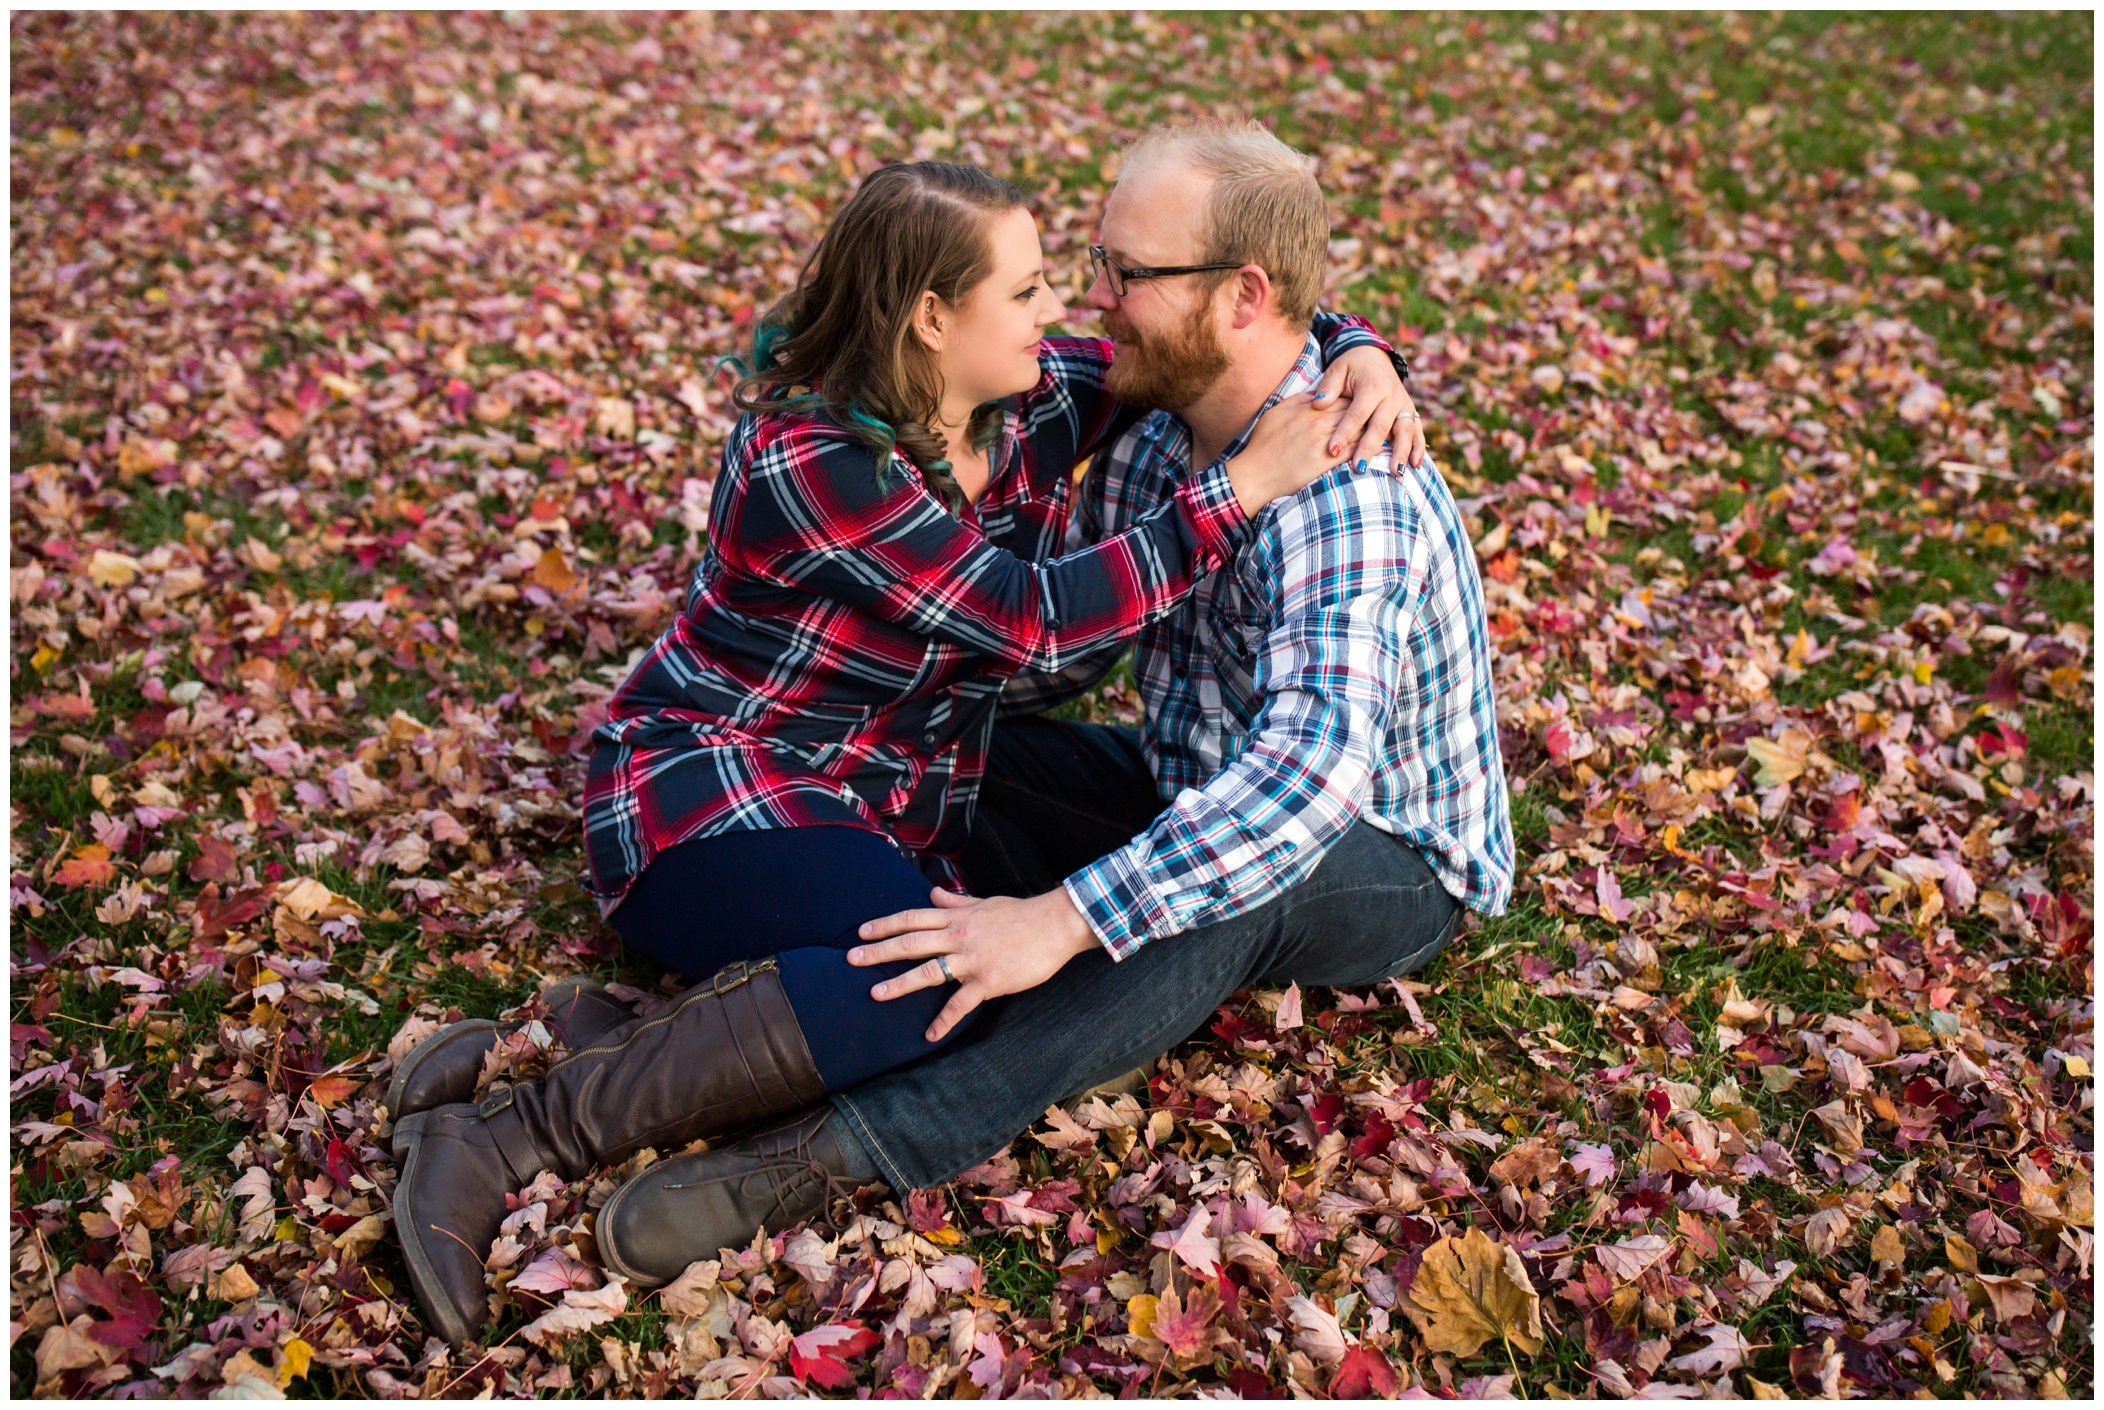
(727, 1055)
(677, 1211)
(444, 1067)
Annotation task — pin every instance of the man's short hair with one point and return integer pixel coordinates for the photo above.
(1265, 207)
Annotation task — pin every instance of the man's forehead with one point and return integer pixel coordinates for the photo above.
(1155, 212)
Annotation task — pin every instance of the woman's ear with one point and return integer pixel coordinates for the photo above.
(930, 314)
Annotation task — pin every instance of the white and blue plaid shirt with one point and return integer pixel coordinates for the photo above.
(1338, 669)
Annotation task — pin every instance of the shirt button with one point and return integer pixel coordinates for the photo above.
(928, 739)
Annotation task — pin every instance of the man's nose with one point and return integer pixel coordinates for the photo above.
(1099, 294)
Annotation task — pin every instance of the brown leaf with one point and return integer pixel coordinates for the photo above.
(1470, 1291)
(1529, 1162)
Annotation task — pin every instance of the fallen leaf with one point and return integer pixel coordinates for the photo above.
(1470, 1291)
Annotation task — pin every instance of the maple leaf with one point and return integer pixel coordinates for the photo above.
(1183, 1327)
(1594, 1164)
(1529, 1162)
(1364, 1374)
(214, 861)
(579, 1311)
(822, 1354)
(132, 1307)
(1628, 1260)
(1726, 1352)
(1473, 1290)
(554, 574)
(88, 866)
(555, 1271)
(1317, 1332)
(1781, 759)
(1192, 1245)
(688, 1294)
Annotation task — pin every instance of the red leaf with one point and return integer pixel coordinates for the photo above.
(1364, 1374)
(215, 860)
(215, 917)
(132, 1306)
(822, 1354)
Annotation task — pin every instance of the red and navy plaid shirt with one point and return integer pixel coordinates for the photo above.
(845, 637)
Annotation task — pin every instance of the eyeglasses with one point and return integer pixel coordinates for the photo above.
(1120, 275)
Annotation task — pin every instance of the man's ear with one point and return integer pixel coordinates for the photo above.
(1250, 289)
(930, 315)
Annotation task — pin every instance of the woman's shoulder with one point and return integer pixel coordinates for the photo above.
(799, 435)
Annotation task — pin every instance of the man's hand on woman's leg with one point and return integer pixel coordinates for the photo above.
(990, 947)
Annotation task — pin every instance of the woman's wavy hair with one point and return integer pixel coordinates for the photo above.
(842, 341)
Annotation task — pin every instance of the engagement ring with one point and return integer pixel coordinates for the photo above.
(942, 962)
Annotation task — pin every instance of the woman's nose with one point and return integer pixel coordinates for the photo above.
(1055, 314)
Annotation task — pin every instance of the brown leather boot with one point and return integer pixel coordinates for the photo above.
(689, 1208)
(444, 1067)
(728, 1054)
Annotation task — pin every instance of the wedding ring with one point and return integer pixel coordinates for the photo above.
(942, 962)
(1411, 416)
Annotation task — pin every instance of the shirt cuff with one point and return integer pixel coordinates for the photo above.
(1112, 894)
(1209, 498)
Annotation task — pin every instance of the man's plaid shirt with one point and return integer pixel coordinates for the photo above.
(845, 638)
(1339, 668)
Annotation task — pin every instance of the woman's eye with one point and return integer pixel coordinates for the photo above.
(1028, 294)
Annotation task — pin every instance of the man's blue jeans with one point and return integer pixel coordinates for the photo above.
(1372, 910)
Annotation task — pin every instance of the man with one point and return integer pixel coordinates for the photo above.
(1319, 721)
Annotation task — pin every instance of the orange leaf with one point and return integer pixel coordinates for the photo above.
(333, 1091)
(554, 574)
(90, 866)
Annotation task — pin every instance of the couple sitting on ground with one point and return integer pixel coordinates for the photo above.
(930, 912)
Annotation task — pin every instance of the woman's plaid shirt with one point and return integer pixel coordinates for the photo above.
(1339, 668)
(845, 638)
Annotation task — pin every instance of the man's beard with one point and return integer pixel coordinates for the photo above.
(1166, 371)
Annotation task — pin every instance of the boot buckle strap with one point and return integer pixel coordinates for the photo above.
(738, 973)
(517, 1147)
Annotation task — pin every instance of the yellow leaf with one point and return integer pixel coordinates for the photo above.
(1780, 759)
(112, 570)
(945, 1237)
(1470, 1291)
(554, 574)
(1710, 780)
(1923, 670)
(2076, 1067)
(1764, 1391)
(44, 657)
(288, 1229)
(308, 899)
(1141, 1311)
(298, 1357)
(1963, 1256)
(1886, 1246)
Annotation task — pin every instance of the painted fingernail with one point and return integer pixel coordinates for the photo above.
(1361, 465)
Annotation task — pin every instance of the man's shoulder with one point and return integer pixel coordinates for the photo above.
(1361, 515)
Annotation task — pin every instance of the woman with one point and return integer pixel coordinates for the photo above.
(800, 752)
